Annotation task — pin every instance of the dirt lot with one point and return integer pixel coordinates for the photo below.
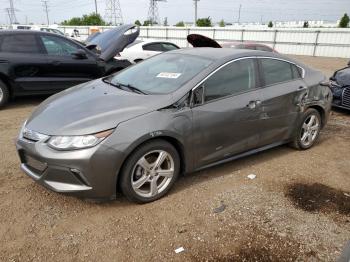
(297, 208)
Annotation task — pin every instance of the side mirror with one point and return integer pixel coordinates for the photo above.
(79, 54)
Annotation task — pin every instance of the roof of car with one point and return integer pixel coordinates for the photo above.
(222, 53)
(23, 31)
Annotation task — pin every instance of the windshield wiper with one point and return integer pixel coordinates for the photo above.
(128, 86)
(133, 89)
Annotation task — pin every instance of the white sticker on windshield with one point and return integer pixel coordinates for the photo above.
(169, 75)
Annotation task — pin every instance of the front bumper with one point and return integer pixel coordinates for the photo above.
(88, 173)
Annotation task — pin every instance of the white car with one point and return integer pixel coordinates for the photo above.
(143, 49)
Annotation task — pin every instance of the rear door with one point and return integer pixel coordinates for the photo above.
(283, 92)
(64, 68)
(226, 117)
(26, 59)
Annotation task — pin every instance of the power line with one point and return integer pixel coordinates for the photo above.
(46, 9)
(113, 12)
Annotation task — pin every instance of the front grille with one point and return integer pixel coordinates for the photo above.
(346, 97)
(34, 164)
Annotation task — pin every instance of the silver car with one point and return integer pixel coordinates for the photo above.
(136, 131)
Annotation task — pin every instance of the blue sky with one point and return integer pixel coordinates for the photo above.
(183, 10)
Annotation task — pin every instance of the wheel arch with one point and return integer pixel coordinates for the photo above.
(6, 80)
(170, 139)
(321, 111)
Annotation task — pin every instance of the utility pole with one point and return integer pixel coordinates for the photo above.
(46, 9)
(239, 13)
(12, 13)
(153, 13)
(195, 12)
(113, 13)
(96, 7)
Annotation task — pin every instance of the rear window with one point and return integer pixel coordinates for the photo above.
(153, 47)
(276, 71)
(20, 43)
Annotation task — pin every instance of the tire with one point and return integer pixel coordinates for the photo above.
(142, 179)
(4, 94)
(308, 130)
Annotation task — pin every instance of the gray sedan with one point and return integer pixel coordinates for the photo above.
(138, 130)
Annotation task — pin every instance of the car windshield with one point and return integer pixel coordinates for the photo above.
(161, 74)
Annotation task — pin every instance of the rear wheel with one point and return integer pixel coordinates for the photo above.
(308, 130)
(150, 172)
(4, 94)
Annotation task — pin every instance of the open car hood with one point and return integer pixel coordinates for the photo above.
(113, 41)
(202, 41)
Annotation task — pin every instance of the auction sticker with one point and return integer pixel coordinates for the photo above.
(169, 75)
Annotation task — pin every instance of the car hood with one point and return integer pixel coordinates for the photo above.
(202, 41)
(90, 108)
(113, 41)
(342, 77)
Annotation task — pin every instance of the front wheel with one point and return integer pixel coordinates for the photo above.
(150, 172)
(308, 130)
(4, 94)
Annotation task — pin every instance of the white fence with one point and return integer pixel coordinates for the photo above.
(330, 42)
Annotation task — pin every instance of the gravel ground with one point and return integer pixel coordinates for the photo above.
(296, 209)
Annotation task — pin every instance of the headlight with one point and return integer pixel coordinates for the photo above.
(77, 142)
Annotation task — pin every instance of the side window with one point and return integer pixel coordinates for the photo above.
(276, 71)
(234, 78)
(169, 47)
(58, 46)
(20, 43)
(153, 47)
(297, 72)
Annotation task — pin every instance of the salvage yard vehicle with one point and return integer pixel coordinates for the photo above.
(197, 40)
(143, 49)
(35, 62)
(177, 112)
(340, 86)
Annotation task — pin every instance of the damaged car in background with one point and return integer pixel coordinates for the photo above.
(175, 113)
(340, 86)
(197, 40)
(36, 62)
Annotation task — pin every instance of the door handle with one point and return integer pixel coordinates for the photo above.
(302, 88)
(254, 104)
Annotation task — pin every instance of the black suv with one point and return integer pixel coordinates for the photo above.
(35, 62)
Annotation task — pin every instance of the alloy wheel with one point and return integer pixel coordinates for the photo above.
(152, 173)
(310, 130)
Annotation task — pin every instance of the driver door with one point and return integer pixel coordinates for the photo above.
(226, 113)
(65, 69)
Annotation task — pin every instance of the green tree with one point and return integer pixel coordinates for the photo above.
(222, 23)
(270, 24)
(147, 23)
(306, 24)
(204, 22)
(91, 19)
(137, 22)
(165, 21)
(344, 21)
(180, 24)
